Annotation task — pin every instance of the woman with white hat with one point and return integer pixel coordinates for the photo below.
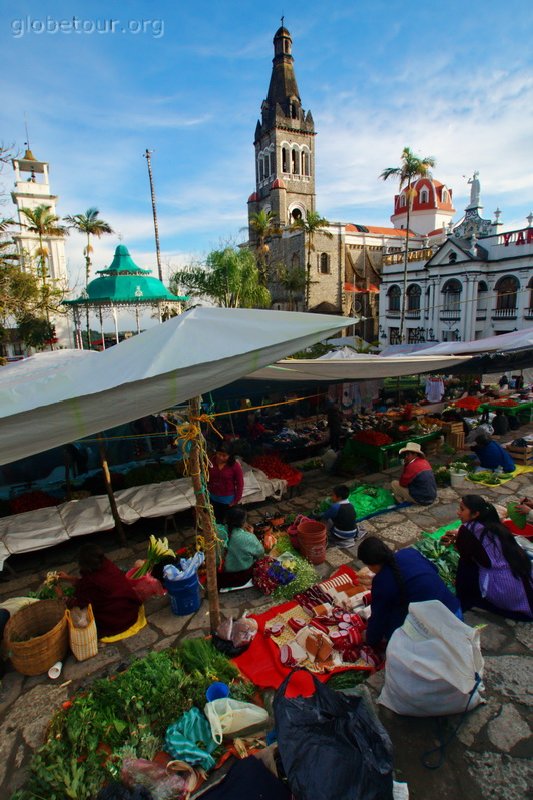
(417, 482)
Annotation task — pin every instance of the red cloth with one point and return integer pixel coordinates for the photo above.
(226, 481)
(412, 469)
(527, 531)
(115, 604)
(261, 663)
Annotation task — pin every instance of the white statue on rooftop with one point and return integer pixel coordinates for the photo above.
(475, 191)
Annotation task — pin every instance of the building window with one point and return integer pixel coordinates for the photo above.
(424, 196)
(507, 289)
(306, 163)
(394, 336)
(296, 214)
(452, 295)
(324, 266)
(295, 162)
(272, 163)
(452, 257)
(261, 169)
(394, 294)
(266, 163)
(444, 196)
(530, 287)
(403, 201)
(285, 159)
(295, 261)
(413, 297)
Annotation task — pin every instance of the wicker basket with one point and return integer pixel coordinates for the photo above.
(46, 623)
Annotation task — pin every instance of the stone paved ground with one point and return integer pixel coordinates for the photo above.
(490, 758)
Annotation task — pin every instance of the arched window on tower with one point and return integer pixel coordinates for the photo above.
(306, 163)
(272, 162)
(394, 295)
(295, 161)
(266, 162)
(424, 196)
(413, 297)
(285, 159)
(507, 290)
(445, 196)
(323, 264)
(261, 168)
(403, 201)
(452, 295)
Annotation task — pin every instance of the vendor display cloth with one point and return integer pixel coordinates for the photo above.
(368, 500)
(261, 663)
(502, 478)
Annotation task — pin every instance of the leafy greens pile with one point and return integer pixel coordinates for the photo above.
(445, 559)
(125, 715)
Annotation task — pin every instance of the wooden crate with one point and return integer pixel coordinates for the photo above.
(452, 427)
(456, 440)
(521, 455)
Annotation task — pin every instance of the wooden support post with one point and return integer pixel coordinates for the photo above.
(204, 516)
(111, 496)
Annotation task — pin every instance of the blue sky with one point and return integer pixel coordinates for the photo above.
(454, 82)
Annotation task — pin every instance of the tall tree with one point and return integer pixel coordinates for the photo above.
(293, 280)
(412, 168)
(312, 224)
(41, 221)
(229, 278)
(88, 224)
(265, 225)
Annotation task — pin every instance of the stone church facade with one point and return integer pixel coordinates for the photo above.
(346, 265)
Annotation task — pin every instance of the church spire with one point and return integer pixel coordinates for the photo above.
(283, 90)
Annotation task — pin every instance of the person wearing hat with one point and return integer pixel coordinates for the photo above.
(417, 482)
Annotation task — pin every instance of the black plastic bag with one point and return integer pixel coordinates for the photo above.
(331, 747)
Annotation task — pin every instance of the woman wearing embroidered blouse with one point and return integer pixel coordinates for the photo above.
(494, 572)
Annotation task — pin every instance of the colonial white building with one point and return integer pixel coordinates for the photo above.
(467, 281)
(32, 189)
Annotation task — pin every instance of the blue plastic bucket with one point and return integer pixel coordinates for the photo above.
(216, 691)
(184, 595)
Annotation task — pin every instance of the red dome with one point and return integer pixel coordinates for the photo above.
(254, 197)
(278, 184)
(436, 197)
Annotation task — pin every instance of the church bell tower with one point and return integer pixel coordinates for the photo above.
(284, 144)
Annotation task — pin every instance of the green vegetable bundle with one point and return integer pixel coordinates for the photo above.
(446, 559)
(306, 574)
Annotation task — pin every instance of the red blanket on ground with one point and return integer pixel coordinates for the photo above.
(261, 664)
(527, 531)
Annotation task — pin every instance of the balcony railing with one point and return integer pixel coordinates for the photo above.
(393, 312)
(413, 313)
(450, 314)
(504, 313)
(528, 313)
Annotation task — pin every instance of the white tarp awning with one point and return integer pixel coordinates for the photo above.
(362, 367)
(199, 351)
(506, 343)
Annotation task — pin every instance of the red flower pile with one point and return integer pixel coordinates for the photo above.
(373, 437)
(274, 467)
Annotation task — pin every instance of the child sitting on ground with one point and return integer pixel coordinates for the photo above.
(341, 518)
(244, 548)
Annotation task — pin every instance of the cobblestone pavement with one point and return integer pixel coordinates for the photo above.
(490, 758)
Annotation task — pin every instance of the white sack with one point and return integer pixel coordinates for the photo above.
(431, 663)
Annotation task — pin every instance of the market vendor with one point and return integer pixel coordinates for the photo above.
(494, 572)
(400, 578)
(226, 481)
(255, 430)
(335, 420)
(491, 455)
(103, 585)
(417, 482)
(500, 423)
(244, 548)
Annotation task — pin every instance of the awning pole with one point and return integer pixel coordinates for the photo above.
(111, 496)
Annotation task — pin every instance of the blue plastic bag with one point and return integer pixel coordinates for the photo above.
(189, 739)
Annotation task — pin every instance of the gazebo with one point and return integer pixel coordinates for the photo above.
(123, 285)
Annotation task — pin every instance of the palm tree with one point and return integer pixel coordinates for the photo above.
(411, 169)
(44, 223)
(230, 279)
(90, 225)
(312, 224)
(293, 280)
(264, 224)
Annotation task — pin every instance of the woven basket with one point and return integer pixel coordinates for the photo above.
(46, 623)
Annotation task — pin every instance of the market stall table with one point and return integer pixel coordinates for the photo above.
(524, 411)
(382, 455)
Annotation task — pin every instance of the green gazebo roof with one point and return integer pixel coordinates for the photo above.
(124, 283)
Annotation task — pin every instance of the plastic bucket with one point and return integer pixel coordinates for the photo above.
(458, 479)
(184, 595)
(313, 539)
(216, 691)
